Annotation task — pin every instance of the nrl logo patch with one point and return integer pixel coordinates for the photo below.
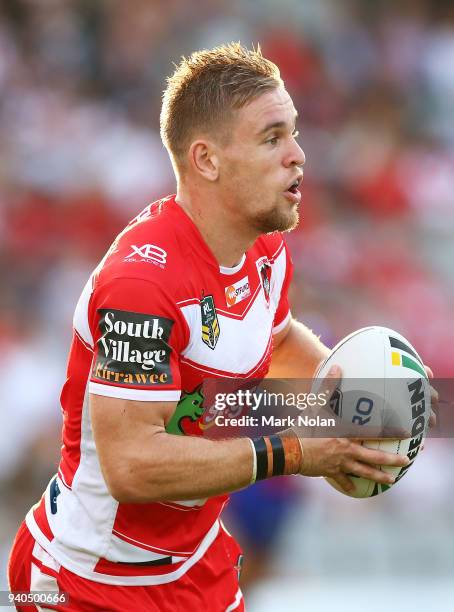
(210, 323)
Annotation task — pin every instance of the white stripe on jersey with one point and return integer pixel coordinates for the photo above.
(236, 602)
(131, 553)
(89, 500)
(80, 319)
(282, 324)
(141, 395)
(80, 568)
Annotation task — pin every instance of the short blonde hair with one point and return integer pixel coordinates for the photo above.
(206, 87)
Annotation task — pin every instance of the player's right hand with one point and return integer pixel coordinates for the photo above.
(338, 458)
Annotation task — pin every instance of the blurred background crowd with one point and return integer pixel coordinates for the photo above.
(80, 154)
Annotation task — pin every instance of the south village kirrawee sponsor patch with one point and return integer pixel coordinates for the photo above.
(133, 348)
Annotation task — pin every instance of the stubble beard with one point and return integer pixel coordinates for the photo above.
(276, 220)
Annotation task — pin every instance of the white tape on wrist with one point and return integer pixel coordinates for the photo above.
(302, 452)
(254, 464)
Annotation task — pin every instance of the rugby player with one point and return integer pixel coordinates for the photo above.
(195, 287)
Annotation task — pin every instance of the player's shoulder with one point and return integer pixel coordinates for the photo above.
(148, 248)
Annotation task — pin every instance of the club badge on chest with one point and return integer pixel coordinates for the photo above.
(264, 271)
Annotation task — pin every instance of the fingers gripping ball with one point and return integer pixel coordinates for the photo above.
(384, 388)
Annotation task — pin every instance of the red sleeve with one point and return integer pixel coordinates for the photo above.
(139, 333)
(283, 310)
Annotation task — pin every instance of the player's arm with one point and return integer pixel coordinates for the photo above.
(138, 334)
(142, 463)
(297, 352)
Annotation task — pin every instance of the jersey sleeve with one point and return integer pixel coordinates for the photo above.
(139, 333)
(283, 314)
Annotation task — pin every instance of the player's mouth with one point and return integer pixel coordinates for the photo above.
(292, 192)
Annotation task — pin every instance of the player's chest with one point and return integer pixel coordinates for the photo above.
(230, 320)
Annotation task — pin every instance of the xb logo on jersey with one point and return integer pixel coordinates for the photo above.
(149, 253)
(210, 323)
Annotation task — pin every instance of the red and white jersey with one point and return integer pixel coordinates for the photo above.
(157, 317)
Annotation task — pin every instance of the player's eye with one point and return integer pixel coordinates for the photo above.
(295, 133)
(273, 140)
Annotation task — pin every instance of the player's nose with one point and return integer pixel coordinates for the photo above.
(296, 157)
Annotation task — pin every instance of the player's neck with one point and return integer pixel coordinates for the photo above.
(227, 242)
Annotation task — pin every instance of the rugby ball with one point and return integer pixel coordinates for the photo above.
(384, 387)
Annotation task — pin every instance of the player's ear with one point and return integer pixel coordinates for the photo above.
(204, 159)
